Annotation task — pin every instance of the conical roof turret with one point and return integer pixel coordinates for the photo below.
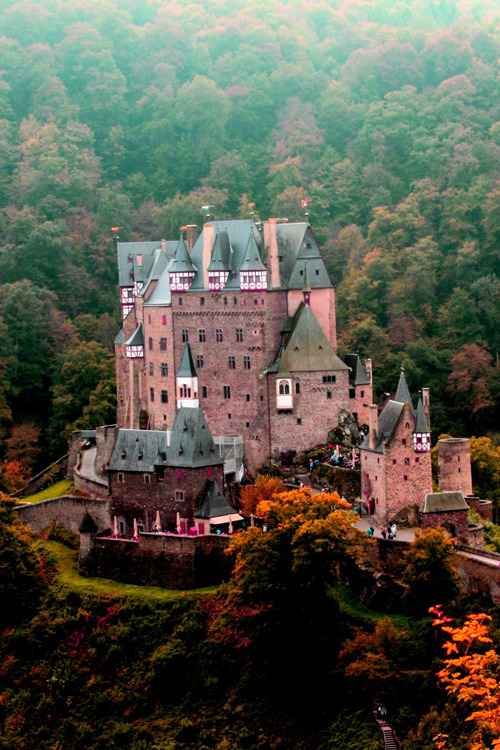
(181, 262)
(187, 368)
(402, 391)
(421, 424)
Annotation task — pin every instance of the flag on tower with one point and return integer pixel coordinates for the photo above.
(305, 202)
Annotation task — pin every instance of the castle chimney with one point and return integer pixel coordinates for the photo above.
(426, 403)
(373, 424)
(191, 236)
(368, 368)
(272, 253)
(208, 244)
(164, 246)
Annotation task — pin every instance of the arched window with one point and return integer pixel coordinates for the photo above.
(284, 388)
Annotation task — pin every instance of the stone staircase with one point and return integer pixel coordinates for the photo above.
(384, 726)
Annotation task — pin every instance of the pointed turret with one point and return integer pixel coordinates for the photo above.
(402, 391)
(421, 433)
(253, 273)
(218, 271)
(181, 268)
(187, 381)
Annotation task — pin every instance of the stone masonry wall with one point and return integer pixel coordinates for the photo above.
(133, 498)
(454, 465)
(66, 511)
(158, 560)
(456, 522)
(315, 410)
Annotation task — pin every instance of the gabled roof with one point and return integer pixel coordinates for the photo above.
(387, 423)
(421, 424)
(443, 502)
(306, 348)
(251, 259)
(221, 253)
(357, 374)
(127, 253)
(297, 246)
(157, 266)
(238, 232)
(120, 336)
(137, 338)
(213, 503)
(187, 368)
(161, 294)
(182, 262)
(139, 450)
(191, 443)
(402, 392)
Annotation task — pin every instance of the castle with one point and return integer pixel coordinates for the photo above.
(259, 316)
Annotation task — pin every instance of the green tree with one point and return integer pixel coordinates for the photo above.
(429, 571)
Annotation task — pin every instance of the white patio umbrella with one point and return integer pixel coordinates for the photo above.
(230, 525)
(158, 521)
(178, 522)
(136, 530)
(252, 522)
(115, 526)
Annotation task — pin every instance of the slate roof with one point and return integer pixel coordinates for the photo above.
(161, 294)
(221, 253)
(182, 262)
(191, 442)
(158, 264)
(120, 336)
(213, 503)
(137, 338)
(238, 232)
(421, 424)
(357, 374)
(402, 392)
(187, 368)
(251, 260)
(443, 502)
(297, 247)
(387, 422)
(127, 250)
(306, 348)
(139, 450)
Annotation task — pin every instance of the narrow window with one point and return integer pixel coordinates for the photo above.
(185, 335)
(151, 394)
(121, 477)
(247, 424)
(164, 320)
(299, 421)
(151, 368)
(246, 363)
(328, 394)
(180, 301)
(150, 344)
(405, 477)
(202, 301)
(407, 461)
(202, 337)
(227, 391)
(284, 388)
(179, 494)
(403, 441)
(204, 392)
(248, 397)
(199, 361)
(147, 478)
(164, 369)
(239, 334)
(163, 344)
(164, 397)
(218, 335)
(229, 416)
(225, 300)
(297, 387)
(231, 361)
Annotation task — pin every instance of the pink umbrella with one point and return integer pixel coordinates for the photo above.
(178, 522)
(230, 525)
(158, 521)
(252, 522)
(136, 531)
(115, 526)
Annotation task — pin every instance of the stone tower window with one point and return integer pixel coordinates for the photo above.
(284, 388)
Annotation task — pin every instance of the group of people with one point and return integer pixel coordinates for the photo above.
(388, 533)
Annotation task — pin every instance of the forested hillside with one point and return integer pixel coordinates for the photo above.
(385, 115)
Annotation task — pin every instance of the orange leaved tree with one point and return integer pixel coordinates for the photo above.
(265, 488)
(472, 675)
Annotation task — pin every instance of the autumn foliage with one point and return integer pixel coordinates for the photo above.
(265, 488)
(471, 674)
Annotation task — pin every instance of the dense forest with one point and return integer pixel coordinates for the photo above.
(384, 115)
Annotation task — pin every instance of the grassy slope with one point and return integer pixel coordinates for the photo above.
(66, 562)
(55, 490)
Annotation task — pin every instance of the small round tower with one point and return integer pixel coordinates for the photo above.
(454, 465)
